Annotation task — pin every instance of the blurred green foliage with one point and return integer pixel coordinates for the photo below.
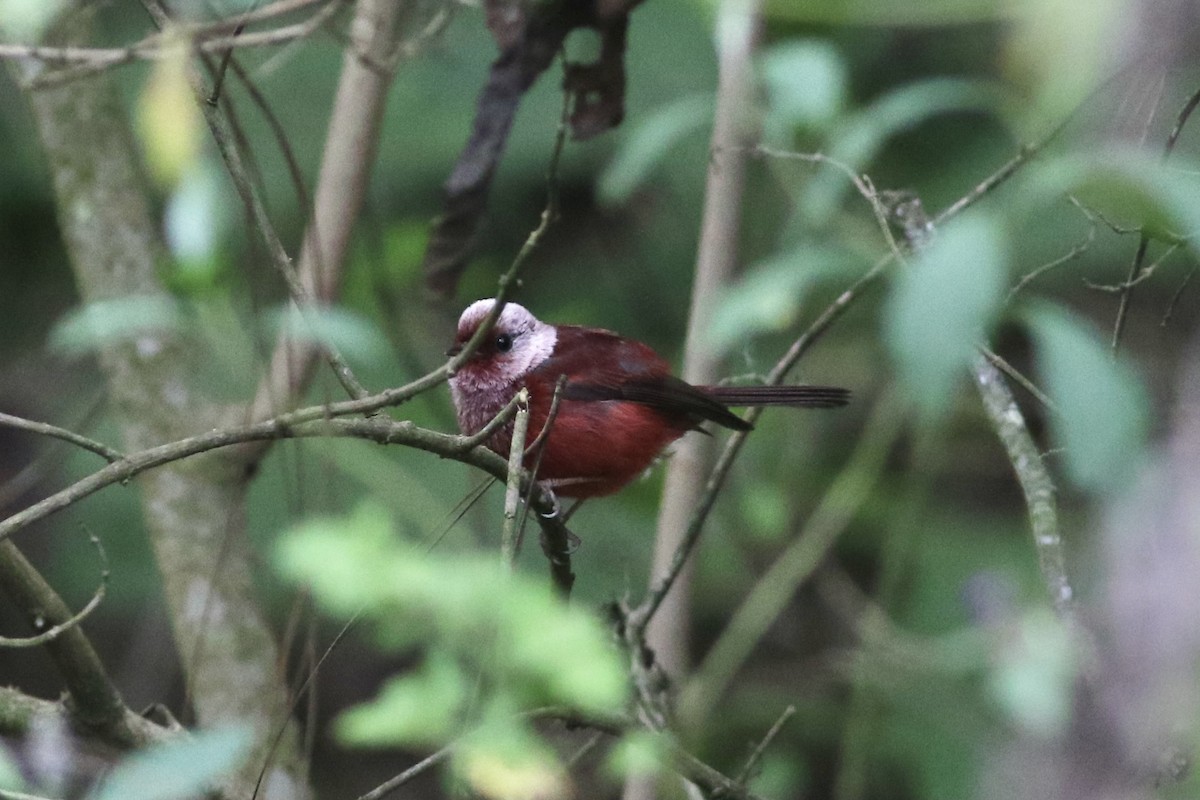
(925, 97)
(492, 645)
(177, 770)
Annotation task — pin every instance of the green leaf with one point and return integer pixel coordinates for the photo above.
(354, 336)
(180, 769)
(195, 221)
(107, 322)
(1034, 681)
(942, 305)
(1102, 409)
(1129, 188)
(567, 659)
(10, 775)
(329, 552)
(509, 631)
(771, 294)
(26, 20)
(856, 141)
(805, 83)
(169, 120)
(503, 759)
(638, 752)
(643, 148)
(897, 13)
(421, 708)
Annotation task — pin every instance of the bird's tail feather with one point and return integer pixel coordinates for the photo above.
(801, 396)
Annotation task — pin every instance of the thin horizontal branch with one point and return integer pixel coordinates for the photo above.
(214, 38)
(310, 422)
(45, 429)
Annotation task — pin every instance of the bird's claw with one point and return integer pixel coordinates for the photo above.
(555, 506)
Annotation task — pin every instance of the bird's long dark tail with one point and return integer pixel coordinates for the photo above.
(799, 396)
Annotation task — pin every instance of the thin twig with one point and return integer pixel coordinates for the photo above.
(497, 422)
(45, 429)
(351, 142)
(295, 702)
(1079, 249)
(1012, 372)
(687, 765)
(861, 182)
(222, 67)
(1143, 274)
(96, 703)
(551, 415)
(587, 747)
(756, 756)
(1175, 297)
(776, 588)
(87, 61)
(640, 616)
(421, 767)
(459, 511)
(1023, 155)
(538, 451)
(59, 629)
(251, 199)
(512, 494)
(507, 282)
(1139, 257)
(1009, 424)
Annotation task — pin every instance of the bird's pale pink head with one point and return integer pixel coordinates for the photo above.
(517, 343)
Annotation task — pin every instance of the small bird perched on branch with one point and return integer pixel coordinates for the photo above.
(619, 407)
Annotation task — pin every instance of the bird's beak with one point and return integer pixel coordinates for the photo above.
(454, 350)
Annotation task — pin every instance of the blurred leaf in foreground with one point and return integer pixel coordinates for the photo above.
(180, 769)
(1102, 409)
(806, 86)
(770, 296)
(169, 122)
(354, 336)
(84, 330)
(645, 146)
(25, 20)
(1129, 188)
(504, 640)
(942, 305)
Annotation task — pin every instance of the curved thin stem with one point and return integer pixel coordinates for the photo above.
(45, 429)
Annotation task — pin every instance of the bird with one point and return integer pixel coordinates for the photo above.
(620, 406)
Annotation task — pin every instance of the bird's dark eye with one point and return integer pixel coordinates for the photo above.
(504, 342)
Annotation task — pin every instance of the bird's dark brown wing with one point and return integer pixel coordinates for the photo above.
(600, 365)
(669, 394)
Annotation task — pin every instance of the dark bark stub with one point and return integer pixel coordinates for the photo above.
(529, 36)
